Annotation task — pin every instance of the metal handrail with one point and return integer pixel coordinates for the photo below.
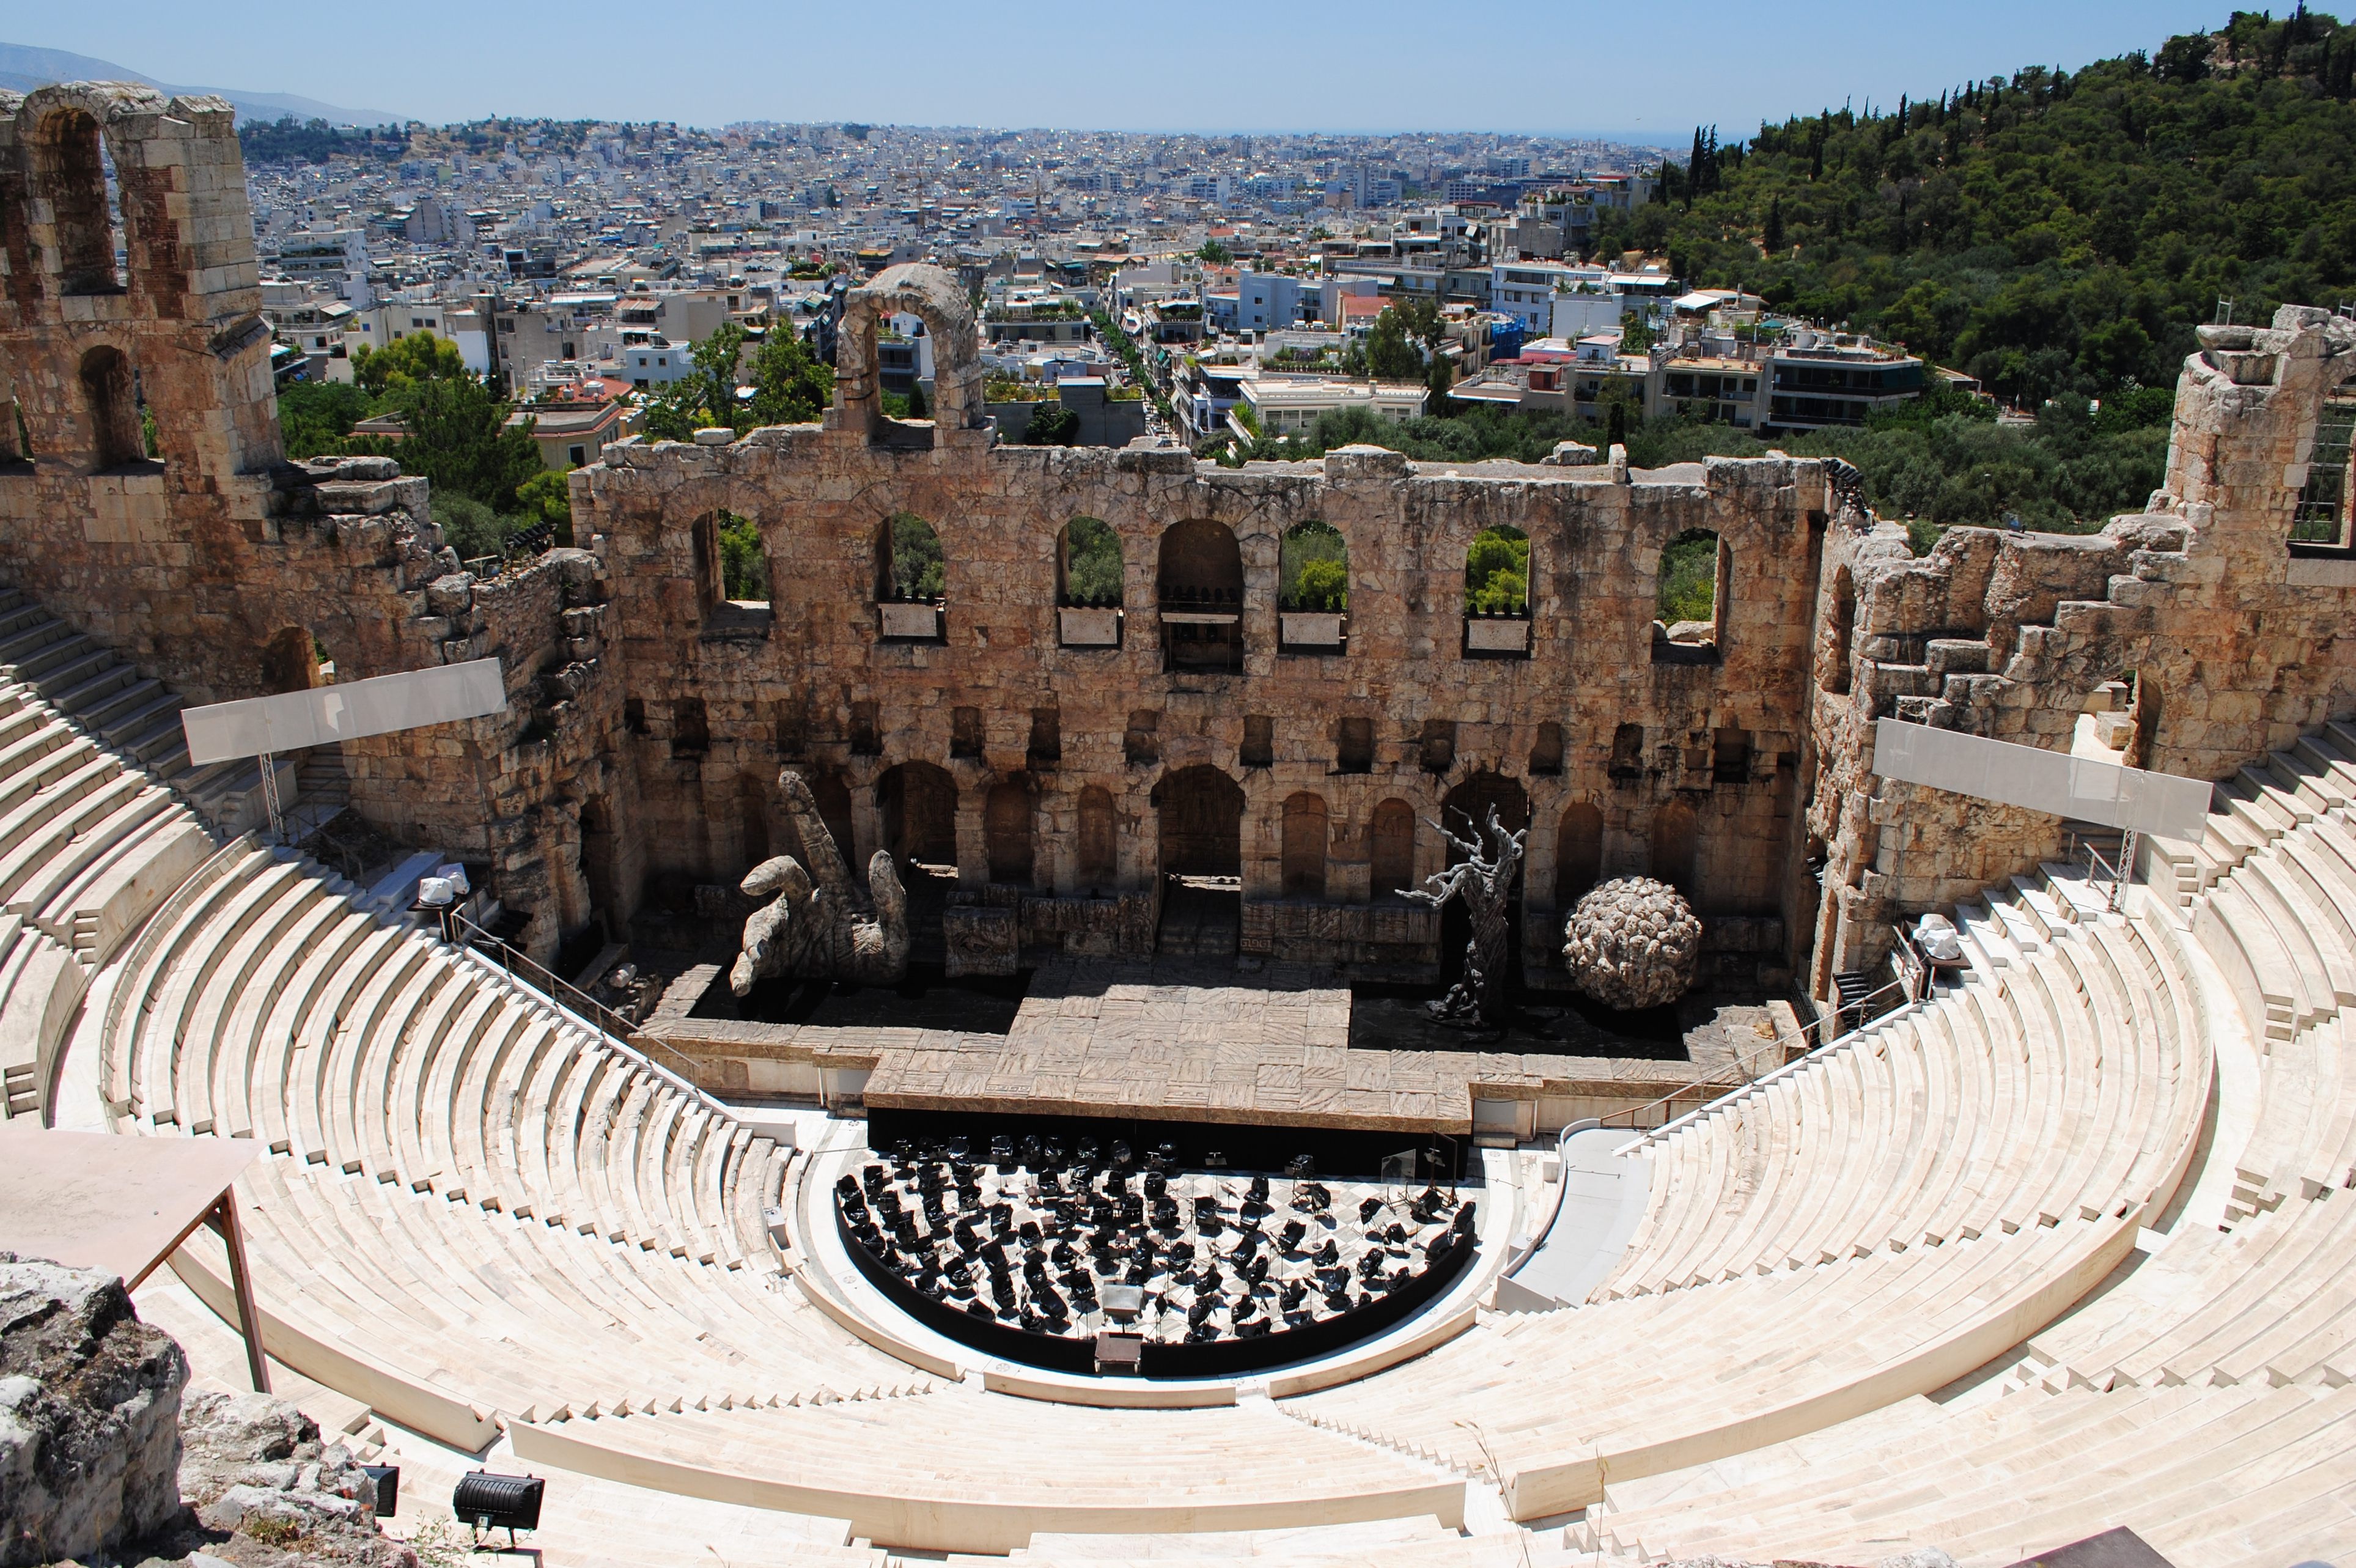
(558, 992)
(1743, 1062)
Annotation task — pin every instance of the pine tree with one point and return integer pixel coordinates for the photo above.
(1771, 239)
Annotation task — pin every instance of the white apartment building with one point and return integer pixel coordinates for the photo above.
(1288, 406)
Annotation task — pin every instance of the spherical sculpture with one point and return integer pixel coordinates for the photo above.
(1632, 943)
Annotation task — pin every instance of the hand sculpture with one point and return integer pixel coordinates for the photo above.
(813, 927)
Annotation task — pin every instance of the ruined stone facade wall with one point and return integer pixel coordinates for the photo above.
(192, 563)
(2209, 635)
(812, 680)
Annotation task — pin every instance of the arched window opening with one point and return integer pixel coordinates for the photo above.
(1673, 846)
(911, 579)
(72, 169)
(753, 818)
(293, 661)
(1200, 589)
(1312, 594)
(1088, 587)
(1840, 631)
(1497, 593)
(1007, 815)
(1100, 856)
(1304, 862)
(111, 400)
(1465, 810)
(731, 571)
(1578, 854)
(1691, 594)
(834, 798)
(1391, 863)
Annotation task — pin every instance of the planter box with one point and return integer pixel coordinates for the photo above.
(1090, 628)
(1498, 636)
(1312, 628)
(911, 622)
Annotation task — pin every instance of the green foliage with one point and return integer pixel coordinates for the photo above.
(1052, 424)
(470, 528)
(1687, 588)
(288, 140)
(1312, 569)
(1637, 334)
(458, 437)
(1497, 573)
(1401, 336)
(1216, 254)
(1125, 347)
(404, 363)
(916, 409)
(790, 384)
(547, 498)
(1091, 563)
(317, 415)
(2049, 233)
(744, 563)
(705, 396)
(148, 441)
(918, 571)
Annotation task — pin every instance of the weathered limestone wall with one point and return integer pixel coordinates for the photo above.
(208, 562)
(2199, 629)
(812, 680)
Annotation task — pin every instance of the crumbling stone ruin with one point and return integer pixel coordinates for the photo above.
(1061, 766)
(89, 1411)
(1632, 943)
(812, 927)
(106, 1454)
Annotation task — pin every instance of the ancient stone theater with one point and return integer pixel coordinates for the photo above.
(1036, 1041)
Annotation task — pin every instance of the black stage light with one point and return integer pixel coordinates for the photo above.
(1120, 1153)
(1087, 1153)
(960, 1148)
(1001, 1151)
(485, 1501)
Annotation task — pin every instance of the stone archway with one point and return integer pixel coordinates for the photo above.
(933, 296)
(1201, 813)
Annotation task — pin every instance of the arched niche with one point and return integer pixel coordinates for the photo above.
(918, 801)
(1579, 853)
(1674, 846)
(753, 817)
(1303, 856)
(1391, 863)
(110, 395)
(1007, 817)
(1098, 867)
(933, 296)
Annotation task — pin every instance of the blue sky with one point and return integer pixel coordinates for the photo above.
(1570, 66)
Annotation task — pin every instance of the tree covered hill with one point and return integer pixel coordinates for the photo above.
(2049, 233)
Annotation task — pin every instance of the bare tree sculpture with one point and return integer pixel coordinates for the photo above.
(1484, 879)
(813, 927)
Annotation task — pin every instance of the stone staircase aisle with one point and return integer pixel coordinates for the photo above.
(138, 719)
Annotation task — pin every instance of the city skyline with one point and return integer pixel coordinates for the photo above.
(951, 67)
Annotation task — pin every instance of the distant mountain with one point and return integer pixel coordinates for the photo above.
(22, 68)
